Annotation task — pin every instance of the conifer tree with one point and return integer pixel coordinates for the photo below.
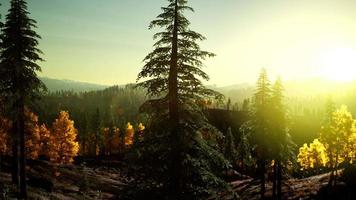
(260, 121)
(246, 105)
(244, 147)
(173, 79)
(282, 147)
(19, 84)
(230, 147)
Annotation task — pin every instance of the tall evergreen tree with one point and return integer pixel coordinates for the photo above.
(173, 79)
(260, 121)
(19, 83)
(281, 146)
(244, 147)
(230, 151)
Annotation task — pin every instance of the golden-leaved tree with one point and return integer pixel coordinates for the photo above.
(313, 156)
(64, 146)
(32, 136)
(338, 137)
(129, 134)
(45, 141)
(140, 130)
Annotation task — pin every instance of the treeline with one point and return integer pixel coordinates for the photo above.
(96, 114)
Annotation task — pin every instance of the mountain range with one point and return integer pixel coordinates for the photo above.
(309, 88)
(54, 85)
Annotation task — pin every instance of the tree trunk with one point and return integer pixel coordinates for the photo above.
(21, 130)
(331, 179)
(274, 187)
(15, 154)
(173, 113)
(83, 146)
(279, 180)
(263, 178)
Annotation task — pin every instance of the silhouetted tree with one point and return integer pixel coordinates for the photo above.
(260, 120)
(282, 147)
(246, 105)
(230, 147)
(174, 84)
(19, 82)
(244, 147)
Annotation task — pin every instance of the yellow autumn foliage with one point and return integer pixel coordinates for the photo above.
(45, 141)
(339, 137)
(32, 135)
(64, 146)
(312, 156)
(129, 134)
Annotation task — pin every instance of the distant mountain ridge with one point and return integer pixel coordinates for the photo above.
(54, 85)
(307, 88)
(237, 92)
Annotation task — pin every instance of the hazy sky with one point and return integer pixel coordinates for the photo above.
(104, 41)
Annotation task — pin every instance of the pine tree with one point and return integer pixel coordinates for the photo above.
(19, 83)
(230, 147)
(282, 147)
(174, 82)
(260, 117)
(244, 147)
(246, 105)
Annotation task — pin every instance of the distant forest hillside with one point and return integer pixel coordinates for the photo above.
(69, 85)
(308, 94)
(118, 105)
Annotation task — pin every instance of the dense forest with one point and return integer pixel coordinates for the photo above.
(169, 135)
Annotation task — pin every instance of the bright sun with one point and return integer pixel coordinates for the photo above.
(338, 64)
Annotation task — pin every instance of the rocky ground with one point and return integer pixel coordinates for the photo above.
(47, 181)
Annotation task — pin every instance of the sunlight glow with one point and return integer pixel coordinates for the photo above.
(338, 64)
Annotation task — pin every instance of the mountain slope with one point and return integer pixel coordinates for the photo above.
(54, 85)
